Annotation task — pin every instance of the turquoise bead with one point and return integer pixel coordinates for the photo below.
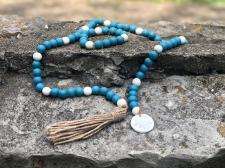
(53, 43)
(98, 44)
(118, 32)
(59, 42)
(119, 26)
(157, 38)
(113, 24)
(145, 33)
(115, 98)
(39, 87)
(79, 91)
(133, 104)
(125, 27)
(100, 21)
(91, 32)
(148, 62)
(132, 28)
(153, 55)
(103, 90)
(36, 64)
(37, 72)
(133, 93)
(71, 92)
(47, 44)
(72, 38)
(54, 92)
(113, 41)
(109, 95)
(151, 35)
(41, 49)
(37, 79)
(112, 30)
(83, 42)
(140, 75)
(106, 43)
(105, 30)
(62, 93)
(133, 87)
(95, 89)
(132, 98)
(143, 68)
(120, 40)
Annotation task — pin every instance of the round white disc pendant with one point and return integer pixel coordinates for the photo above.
(142, 123)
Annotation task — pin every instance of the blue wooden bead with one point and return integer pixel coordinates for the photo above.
(103, 90)
(47, 44)
(126, 27)
(133, 87)
(83, 41)
(95, 89)
(36, 64)
(37, 72)
(98, 44)
(113, 24)
(143, 68)
(133, 28)
(113, 41)
(145, 33)
(157, 38)
(105, 30)
(54, 92)
(118, 32)
(71, 92)
(119, 26)
(153, 55)
(37, 79)
(133, 104)
(39, 87)
(120, 40)
(62, 93)
(151, 35)
(79, 91)
(178, 41)
(41, 49)
(148, 62)
(100, 21)
(174, 42)
(72, 38)
(109, 95)
(132, 98)
(106, 43)
(132, 93)
(140, 75)
(53, 43)
(112, 30)
(169, 44)
(59, 42)
(115, 98)
(91, 32)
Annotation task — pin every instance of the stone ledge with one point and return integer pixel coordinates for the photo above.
(205, 53)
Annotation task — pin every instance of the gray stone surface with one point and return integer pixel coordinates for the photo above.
(188, 109)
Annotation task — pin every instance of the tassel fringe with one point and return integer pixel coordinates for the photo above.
(68, 131)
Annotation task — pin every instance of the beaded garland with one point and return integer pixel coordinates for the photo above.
(120, 36)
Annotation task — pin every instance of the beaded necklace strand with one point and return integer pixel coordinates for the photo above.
(68, 131)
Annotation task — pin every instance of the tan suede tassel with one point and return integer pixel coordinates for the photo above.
(68, 131)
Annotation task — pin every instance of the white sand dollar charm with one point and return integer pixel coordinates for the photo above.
(142, 123)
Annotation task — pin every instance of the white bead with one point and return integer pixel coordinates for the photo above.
(46, 91)
(107, 23)
(89, 44)
(98, 30)
(136, 81)
(37, 56)
(136, 110)
(122, 103)
(183, 39)
(66, 40)
(86, 28)
(125, 37)
(158, 48)
(139, 30)
(87, 91)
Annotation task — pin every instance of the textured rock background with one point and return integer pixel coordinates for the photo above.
(184, 93)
